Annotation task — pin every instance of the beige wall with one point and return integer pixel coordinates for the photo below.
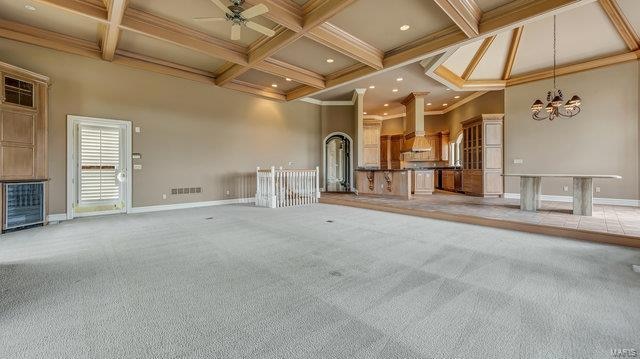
(491, 102)
(192, 134)
(602, 139)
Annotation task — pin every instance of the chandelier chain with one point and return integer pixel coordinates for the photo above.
(555, 87)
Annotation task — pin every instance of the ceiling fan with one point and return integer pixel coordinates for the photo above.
(240, 17)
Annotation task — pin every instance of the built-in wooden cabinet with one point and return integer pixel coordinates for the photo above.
(23, 124)
(482, 155)
(371, 143)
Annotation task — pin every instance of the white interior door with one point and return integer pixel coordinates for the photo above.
(100, 175)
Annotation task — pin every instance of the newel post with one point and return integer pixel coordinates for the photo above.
(317, 182)
(272, 189)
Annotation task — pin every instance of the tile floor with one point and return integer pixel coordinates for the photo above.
(606, 218)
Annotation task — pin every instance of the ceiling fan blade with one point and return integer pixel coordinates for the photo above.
(259, 28)
(235, 32)
(219, 4)
(255, 11)
(207, 19)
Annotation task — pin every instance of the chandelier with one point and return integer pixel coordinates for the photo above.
(555, 99)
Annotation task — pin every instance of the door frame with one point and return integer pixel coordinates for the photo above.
(72, 122)
(324, 159)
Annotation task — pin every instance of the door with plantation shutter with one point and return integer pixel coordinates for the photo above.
(100, 184)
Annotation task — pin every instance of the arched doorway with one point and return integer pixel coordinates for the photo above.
(337, 165)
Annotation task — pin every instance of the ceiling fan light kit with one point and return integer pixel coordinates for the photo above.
(239, 17)
(555, 98)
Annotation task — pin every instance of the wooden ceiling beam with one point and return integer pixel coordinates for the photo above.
(579, 67)
(518, 12)
(111, 32)
(78, 7)
(255, 90)
(482, 50)
(513, 50)
(284, 37)
(621, 24)
(282, 12)
(466, 14)
(510, 15)
(339, 40)
(285, 70)
(52, 40)
(159, 28)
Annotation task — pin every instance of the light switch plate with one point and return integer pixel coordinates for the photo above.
(138, 129)
(597, 189)
(518, 161)
(565, 188)
(137, 167)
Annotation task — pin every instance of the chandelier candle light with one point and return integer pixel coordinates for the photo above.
(555, 108)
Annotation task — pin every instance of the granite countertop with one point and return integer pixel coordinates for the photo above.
(383, 170)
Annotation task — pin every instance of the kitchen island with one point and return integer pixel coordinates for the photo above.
(395, 183)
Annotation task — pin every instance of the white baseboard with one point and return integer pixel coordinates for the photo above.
(169, 207)
(569, 199)
(57, 217)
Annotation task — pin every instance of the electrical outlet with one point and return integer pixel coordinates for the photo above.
(597, 189)
(565, 188)
(137, 167)
(164, 196)
(636, 268)
(138, 129)
(518, 161)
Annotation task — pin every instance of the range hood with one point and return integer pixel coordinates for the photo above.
(414, 133)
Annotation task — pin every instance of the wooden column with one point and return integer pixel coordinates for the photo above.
(359, 119)
(530, 191)
(583, 196)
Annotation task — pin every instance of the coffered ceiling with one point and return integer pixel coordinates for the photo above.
(362, 39)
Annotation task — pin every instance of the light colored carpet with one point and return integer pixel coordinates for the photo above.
(261, 283)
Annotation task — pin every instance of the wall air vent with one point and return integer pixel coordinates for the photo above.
(186, 190)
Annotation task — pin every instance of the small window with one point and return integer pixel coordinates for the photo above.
(18, 92)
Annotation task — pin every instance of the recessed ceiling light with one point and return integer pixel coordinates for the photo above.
(445, 105)
(330, 61)
(405, 27)
(395, 90)
(429, 104)
(372, 87)
(30, 7)
(386, 105)
(288, 79)
(384, 114)
(399, 79)
(457, 96)
(274, 85)
(364, 113)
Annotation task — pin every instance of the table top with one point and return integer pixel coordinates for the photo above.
(560, 175)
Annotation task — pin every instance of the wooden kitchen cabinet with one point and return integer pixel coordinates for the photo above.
(448, 180)
(371, 142)
(423, 182)
(482, 156)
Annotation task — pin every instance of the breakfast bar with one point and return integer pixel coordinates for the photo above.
(531, 190)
